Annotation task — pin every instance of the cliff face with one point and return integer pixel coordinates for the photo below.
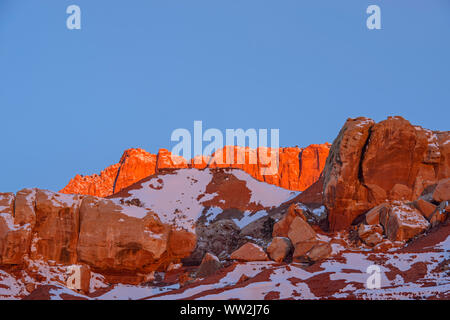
(370, 163)
(40, 225)
(298, 168)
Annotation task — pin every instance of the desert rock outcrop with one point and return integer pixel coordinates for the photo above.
(298, 168)
(370, 163)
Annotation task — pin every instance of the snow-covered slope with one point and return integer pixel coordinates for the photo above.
(181, 197)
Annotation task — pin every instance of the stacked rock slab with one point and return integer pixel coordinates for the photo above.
(293, 227)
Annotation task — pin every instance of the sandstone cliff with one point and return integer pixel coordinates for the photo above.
(298, 168)
(370, 163)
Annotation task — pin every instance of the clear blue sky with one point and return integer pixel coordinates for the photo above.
(72, 101)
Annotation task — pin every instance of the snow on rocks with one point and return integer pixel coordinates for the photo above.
(407, 275)
(403, 222)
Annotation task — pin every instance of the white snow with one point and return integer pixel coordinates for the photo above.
(177, 201)
(264, 194)
(180, 195)
(320, 212)
(212, 213)
(249, 217)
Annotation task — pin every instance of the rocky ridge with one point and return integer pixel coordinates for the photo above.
(298, 168)
(208, 232)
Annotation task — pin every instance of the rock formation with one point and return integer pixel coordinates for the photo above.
(298, 168)
(70, 229)
(370, 163)
(249, 252)
(200, 229)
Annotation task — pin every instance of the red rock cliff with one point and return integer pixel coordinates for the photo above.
(370, 163)
(298, 168)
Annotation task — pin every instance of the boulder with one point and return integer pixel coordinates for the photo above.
(426, 208)
(302, 248)
(281, 228)
(400, 192)
(442, 191)
(249, 252)
(439, 215)
(373, 215)
(115, 237)
(209, 266)
(403, 222)
(220, 238)
(279, 248)
(370, 234)
(300, 231)
(320, 251)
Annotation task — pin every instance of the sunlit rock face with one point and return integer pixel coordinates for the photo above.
(370, 163)
(298, 168)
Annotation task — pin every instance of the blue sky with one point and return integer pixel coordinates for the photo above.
(72, 100)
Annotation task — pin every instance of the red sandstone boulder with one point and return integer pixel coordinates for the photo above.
(370, 234)
(312, 251)
(400, 192)
(373, 215)
(209, 266)
(341, 174)
(426, 208)
(111, 239)
(300, 231)
(279, 248)
(442, 191)
(281, 228)
(439, 215)
(302, 248)
(320, 251)
(403, 222)
(249, 252)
